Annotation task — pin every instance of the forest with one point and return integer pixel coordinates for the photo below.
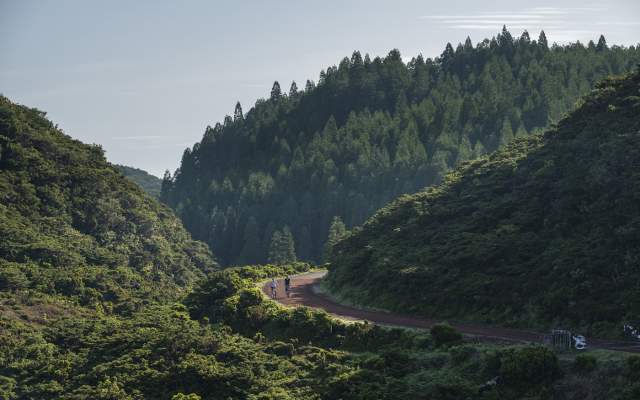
(496, 184)
(103, 295)
(279, 175)
(72, 227)
(542, 233)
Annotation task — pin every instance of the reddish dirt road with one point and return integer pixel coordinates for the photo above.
(302, 294)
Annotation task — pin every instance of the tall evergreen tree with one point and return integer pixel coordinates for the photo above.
(542, 40)
(237, 113)
(167, 182)
(276, 93)
(282, 247)
(602, 44)
(309, 86)
(337, 231)
(293, 90)
(275, 249)
(288, 245)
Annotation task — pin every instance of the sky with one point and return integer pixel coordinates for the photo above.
(144, 78)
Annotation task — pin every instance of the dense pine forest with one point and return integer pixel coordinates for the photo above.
(300, 166)
(543, 233)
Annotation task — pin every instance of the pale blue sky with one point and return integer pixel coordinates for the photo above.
(144, 78)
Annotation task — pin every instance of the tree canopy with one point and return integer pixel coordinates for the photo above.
(543, 233)
(370, 130)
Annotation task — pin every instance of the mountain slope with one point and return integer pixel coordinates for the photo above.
(71, 226)
(149, 183)
(370, 130)
(545, 232)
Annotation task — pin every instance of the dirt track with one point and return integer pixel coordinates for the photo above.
(302, 294)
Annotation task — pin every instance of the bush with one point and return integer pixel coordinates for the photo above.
(632, 367)
(585, 363)
(280, 349)
(461, 354)
(11, 278)
(181, 396)
(524, 367)
(445, 335)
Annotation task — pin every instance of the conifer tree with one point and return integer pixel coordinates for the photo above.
(288, 246)
(237, 113)
(506, 133)
(275, 249)
(447, 55)
(602, 44)
(165, 189)
(276, 93)
(542, 40)
(504, 38)
(468, 45)
(337, 231)
(309, 86)
(282, 247)
(293, 90)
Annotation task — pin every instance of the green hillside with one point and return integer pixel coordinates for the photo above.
(72, 227)
(543, 233)
(369, 130)
(149, 183)
(103, 296)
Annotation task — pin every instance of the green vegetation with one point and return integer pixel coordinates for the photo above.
(72, 228)
(149, 183)
(542, 233)
(445, 335)
(104, 295)
(368, 131)
(282, 248)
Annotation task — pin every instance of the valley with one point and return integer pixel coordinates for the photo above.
(464, 226)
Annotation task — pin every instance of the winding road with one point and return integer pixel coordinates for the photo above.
(303, 294)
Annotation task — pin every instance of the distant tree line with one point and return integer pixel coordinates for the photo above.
(368, 131)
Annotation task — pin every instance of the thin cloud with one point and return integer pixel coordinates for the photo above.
(562, 24)
(139, 137)
(619, 23)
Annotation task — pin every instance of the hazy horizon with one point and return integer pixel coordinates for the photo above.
(145, 79)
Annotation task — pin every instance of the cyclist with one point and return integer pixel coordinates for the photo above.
(274, 286)
(287, 285)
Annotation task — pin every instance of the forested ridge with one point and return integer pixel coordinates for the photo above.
(368, 131)
(149, 183)
(103, 295)
(97, 302)
(543, 233)
(72, 228)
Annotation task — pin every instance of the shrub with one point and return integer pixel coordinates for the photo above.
(181, 396)
(524, 367)
(445, 335)
(11, 278)
(280, 349)
(632, 367)
(460, 354)
(584, 363)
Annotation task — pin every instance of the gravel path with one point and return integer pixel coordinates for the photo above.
(303, 294)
